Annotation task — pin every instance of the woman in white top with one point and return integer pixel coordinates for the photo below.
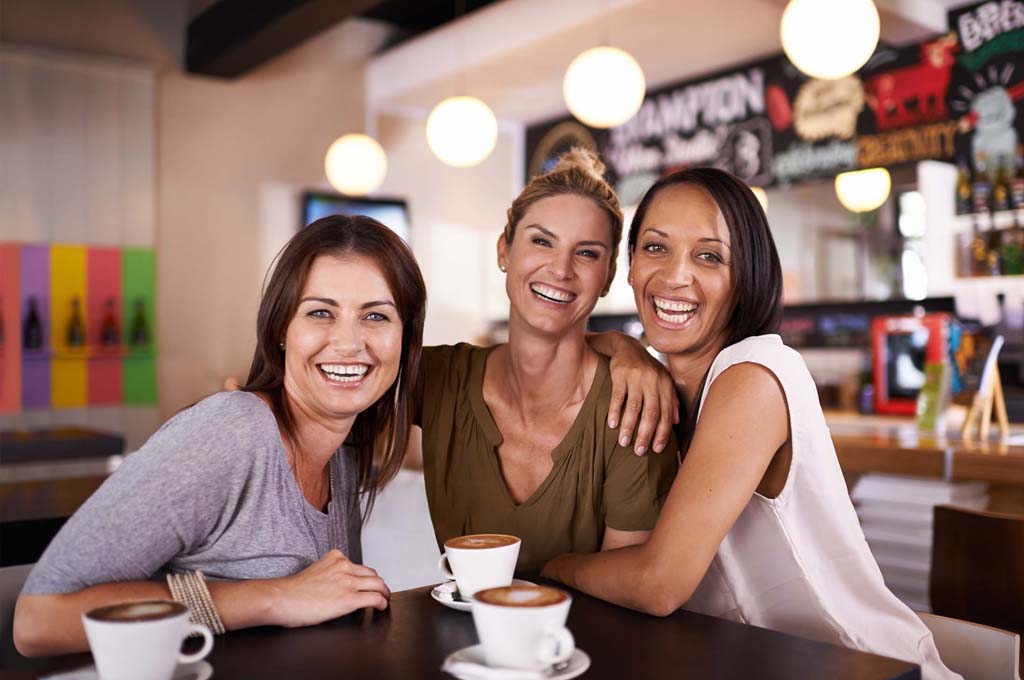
(758, 527)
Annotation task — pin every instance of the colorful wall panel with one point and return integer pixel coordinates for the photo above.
(34, 313)
(10, 343)
(103, 325)
(139, 313)
(69, 376)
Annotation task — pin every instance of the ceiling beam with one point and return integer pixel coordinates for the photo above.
(233, 37)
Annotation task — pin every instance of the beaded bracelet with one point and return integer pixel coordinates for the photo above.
(190, 590)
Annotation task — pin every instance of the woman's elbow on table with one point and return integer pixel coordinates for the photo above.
(664, 589)
(34, 632)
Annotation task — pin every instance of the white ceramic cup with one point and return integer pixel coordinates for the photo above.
(476, 568)
(141, 640)
(531, 638)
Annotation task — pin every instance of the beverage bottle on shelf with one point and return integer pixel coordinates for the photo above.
(32, 333)
(963, 189)
(110, 336)
(994, 249)
(76, 329)
(1001, 186)
(1017, 183)
(1013, 251)
(978, 249)
(981, 188)
(140, 327)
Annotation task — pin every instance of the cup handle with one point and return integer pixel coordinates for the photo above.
(207, 643)
(442, 564)
(557, 646)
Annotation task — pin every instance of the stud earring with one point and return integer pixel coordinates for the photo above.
(281, 345)
(502, 268)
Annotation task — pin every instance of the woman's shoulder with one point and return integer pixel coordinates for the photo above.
(239, 420)
(767, 350)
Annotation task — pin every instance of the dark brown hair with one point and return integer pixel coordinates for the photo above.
(579, 172)
(381, 432)
(756, 272)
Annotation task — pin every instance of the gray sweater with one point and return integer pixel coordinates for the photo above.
(211, 490)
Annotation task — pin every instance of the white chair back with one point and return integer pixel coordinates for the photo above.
(975, 651)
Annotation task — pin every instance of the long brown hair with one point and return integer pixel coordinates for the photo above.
(579, 172)
(381, 432)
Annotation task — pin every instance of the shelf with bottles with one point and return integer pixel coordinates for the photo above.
(995, 251)
(991, 193)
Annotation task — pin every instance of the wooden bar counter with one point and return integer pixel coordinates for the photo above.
(893, 445)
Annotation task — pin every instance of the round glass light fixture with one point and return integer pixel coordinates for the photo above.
(762, 197)
(462, 131)
(829, 39)
(604, 87)
(356, 164)
(863, 190)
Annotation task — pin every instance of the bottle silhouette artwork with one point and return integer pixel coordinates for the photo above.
(110, 336)
(32, 332)
(140, 327)
(76, 329)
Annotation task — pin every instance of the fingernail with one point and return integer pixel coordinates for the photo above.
(612, 423)
(623, 440)
(658, 448)
(641, 450)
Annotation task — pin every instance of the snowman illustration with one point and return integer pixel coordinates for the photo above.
(994, 135)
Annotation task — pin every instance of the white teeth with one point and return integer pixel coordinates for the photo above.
(345, 372)
(673, 305)
(672, 318)
(551, 293)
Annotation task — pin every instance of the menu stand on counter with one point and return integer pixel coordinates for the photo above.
(990, 393)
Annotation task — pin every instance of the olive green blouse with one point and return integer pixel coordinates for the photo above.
(595, 483)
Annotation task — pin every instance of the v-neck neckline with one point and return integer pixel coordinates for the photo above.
(493, 435)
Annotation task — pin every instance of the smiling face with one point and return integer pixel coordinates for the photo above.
(681, 272)
(343, 347)
(558, 263)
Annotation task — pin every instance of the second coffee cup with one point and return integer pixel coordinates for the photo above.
(480, 561)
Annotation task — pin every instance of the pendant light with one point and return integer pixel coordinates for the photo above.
(356, 164)
(604, 87)
(461, 131)
(829, 39)
(863, 190)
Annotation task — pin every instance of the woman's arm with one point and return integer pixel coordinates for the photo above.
(743, 424)
(639, 380)
(331, 587)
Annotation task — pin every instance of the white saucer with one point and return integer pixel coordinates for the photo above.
(200, 670)
(468, 664)
(447, 594)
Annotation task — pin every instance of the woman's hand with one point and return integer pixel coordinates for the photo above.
(643, 397)
(332, 586)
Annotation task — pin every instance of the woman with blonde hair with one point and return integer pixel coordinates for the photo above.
(514, 437)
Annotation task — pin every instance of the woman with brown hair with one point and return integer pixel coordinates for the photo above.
(259, 490)
(514, 438)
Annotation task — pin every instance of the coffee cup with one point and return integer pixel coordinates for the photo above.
(141, 640)
(523, 626)
(480, 561)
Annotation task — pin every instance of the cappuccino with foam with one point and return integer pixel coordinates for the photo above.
(480, 541)
(522, 596)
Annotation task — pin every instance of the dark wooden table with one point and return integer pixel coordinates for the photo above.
(415, 636)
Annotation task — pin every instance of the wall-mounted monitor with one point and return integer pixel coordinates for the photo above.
(391, 212)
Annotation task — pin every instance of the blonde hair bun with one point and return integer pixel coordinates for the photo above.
(582, 159)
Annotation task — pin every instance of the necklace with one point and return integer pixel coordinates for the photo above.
(333, 533)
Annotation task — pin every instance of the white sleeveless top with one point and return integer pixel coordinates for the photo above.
(799, 563)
